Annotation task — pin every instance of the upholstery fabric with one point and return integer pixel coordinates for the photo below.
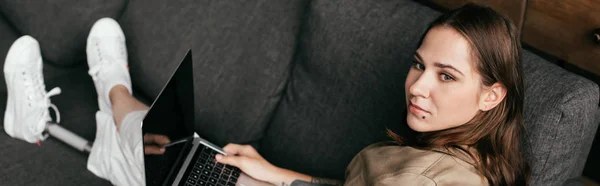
(53, 163)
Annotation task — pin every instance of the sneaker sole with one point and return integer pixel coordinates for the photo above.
(8, 117)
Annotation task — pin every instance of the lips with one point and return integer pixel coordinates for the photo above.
(416, 109)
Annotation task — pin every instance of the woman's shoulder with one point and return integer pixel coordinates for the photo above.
(454, 166)
(394, 153)
(388, 161)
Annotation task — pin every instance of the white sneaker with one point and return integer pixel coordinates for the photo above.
(107, 60)
(27, 105)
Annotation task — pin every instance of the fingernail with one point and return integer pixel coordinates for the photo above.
(162, 149)
(218, 157)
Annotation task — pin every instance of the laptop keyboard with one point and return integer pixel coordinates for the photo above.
(207, 172)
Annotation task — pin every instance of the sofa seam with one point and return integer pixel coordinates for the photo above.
(285, 83)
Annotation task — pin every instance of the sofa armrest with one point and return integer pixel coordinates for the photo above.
(560, 119)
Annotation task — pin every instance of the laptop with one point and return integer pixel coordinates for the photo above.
(191, 162)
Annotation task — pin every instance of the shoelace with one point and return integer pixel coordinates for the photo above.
(37, 97)
(105, 60)
(94, 71)
(104, 63)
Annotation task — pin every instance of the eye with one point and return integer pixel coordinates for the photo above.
(418, 65)
(446, 77)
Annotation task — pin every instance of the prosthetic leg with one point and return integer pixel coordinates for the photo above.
(68, 137)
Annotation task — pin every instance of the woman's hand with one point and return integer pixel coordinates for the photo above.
(250, 162)
(155, 143)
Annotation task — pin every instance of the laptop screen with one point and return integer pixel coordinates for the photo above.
(172, 115)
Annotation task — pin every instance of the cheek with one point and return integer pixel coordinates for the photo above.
(456, 105)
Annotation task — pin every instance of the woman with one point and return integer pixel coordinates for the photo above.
(464, 96)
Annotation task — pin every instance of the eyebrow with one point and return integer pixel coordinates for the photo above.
(440, 65)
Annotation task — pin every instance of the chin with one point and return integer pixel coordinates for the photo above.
(417, 124)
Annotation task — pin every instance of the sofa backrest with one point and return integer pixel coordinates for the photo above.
(242, 52)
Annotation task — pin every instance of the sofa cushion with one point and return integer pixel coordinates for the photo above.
(157, 36)
(242, 51)
(53, 163)
(347, 83)
(60, 26)
(560, 119)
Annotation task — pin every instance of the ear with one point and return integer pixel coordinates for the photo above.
(492, 97)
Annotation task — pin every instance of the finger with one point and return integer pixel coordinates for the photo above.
(232, 148)
(236, 161)
(156, 138)
(161, 140)
(148, 138)
(244, 150)
(151, 149)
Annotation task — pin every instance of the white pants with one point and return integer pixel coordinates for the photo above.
(118, 156)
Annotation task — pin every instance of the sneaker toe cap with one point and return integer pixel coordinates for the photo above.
(106, 27)
(25, 49)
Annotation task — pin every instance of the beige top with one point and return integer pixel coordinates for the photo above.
(390, 164)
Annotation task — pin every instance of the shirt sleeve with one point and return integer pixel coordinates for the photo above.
(411, 179)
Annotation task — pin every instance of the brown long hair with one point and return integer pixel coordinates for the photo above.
(494, 134)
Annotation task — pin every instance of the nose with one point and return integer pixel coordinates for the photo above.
(421, 86)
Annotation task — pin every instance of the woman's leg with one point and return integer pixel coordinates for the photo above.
(123, 104)
(117, 151)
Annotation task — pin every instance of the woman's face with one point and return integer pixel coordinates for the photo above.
(443, 90)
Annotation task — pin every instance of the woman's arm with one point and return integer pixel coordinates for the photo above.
(291, 178)
(314, 182)
(248, 160)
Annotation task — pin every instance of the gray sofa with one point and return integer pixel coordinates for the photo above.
(309, 83)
